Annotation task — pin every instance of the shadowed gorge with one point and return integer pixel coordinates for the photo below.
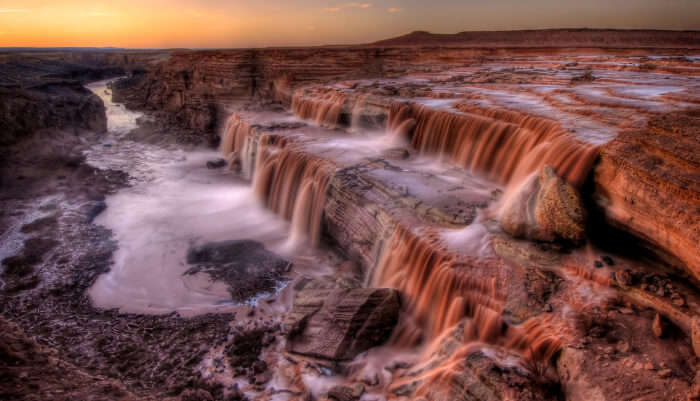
(480, 216)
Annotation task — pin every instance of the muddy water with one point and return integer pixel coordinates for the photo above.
(176, 202)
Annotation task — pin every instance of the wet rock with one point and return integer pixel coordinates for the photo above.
(396, 154)
(598, 264)
(478, 376)
(346, 393)
(326, 283)
(245, 347)
(216, 163)
(96, 210)
(339, 324)
(244, 265)
(544, 208)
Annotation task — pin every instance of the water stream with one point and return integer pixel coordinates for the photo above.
(174, 202)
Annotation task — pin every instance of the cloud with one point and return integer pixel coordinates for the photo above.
(13, 10)
(348, 5)
(394, 10)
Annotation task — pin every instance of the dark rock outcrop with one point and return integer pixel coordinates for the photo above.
(56, 105)
(339, 324)
(244, 265)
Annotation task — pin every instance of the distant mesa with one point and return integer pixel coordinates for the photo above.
(582, 37)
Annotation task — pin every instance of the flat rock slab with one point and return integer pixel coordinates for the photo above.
(338, 324)
(245, 266)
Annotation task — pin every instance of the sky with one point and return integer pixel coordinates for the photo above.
(260, 23)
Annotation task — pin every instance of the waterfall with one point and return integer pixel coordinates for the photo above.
(505, 146)
(322, 107)
(294, 185)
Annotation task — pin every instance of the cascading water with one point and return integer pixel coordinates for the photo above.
(441, 292)
(322, 108)
(236, 144)
(506, 151)
(294, 185)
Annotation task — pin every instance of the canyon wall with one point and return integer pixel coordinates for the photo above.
(194, 89)
(40, 90)
(648, 184)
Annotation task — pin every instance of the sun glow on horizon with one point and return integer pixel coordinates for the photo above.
(248, 23)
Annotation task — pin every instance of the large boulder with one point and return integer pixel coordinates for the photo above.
(244, 265)
(338, 324)
(544, 208)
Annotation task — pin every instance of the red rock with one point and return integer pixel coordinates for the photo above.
(657, 326)
(647, 181)
(339, 324)
(695, 335)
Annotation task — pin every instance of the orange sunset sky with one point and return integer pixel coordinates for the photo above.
(247, 23)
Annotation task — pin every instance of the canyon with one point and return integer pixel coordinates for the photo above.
(478, 216)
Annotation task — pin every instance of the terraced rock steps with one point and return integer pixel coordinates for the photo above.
(428, 229)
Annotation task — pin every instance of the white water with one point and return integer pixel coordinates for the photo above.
(174, 202)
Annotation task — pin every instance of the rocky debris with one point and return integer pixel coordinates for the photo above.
(153, 356)
(216, 163)
(338, 324)
(346, 393)
(30, 371)
(544, 208)
(244, 265)
(196, 395)
(646, 184)
(247, 342)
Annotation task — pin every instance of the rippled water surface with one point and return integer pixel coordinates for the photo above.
(174, 202)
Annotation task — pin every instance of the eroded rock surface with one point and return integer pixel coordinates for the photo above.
(648, 183)
(244, 265)
(544, 208)
(339, 324)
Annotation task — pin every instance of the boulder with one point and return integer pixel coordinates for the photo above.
(544, 208)
(346, 393)
(338, 324)
(216, 163)
(244, 265)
